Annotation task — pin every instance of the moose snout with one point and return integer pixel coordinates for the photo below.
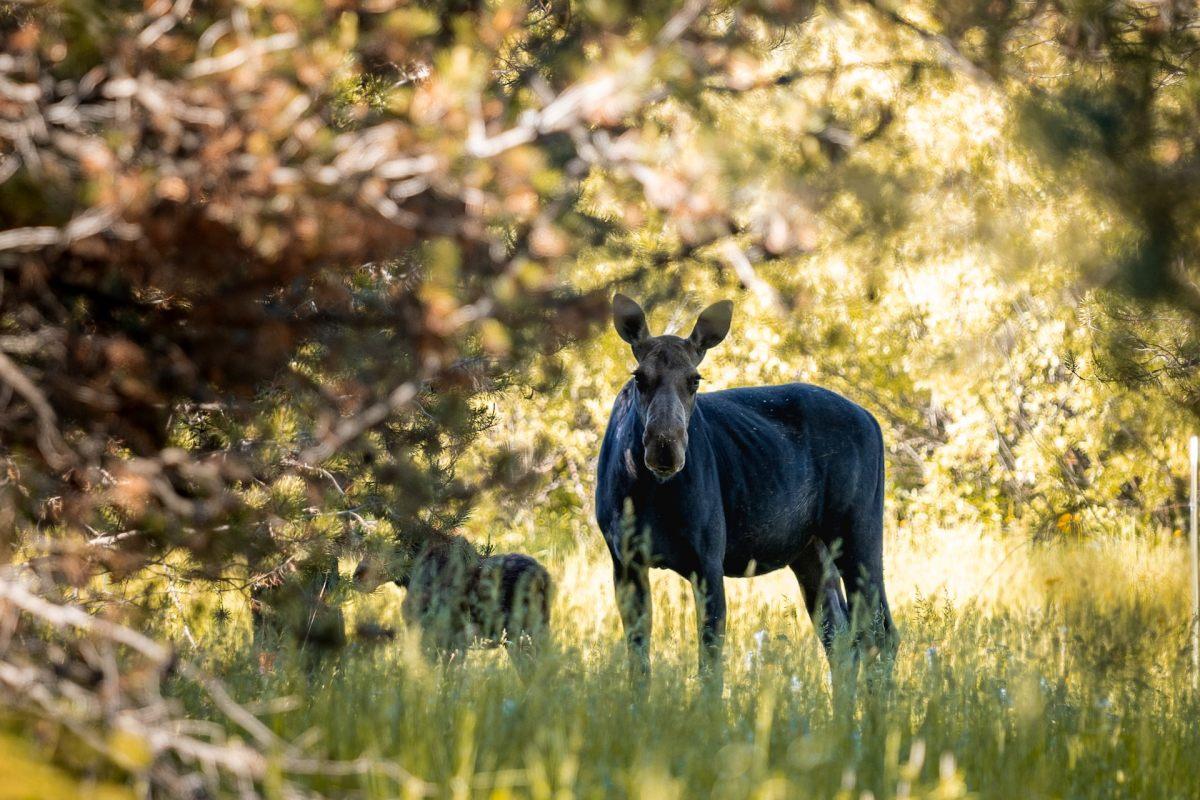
(665, 452)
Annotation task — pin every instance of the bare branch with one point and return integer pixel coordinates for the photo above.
(87, 224)
(50, 441)
(94, 715)
(737, 260)
(349, 429)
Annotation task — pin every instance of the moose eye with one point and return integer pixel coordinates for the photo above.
(693, 383)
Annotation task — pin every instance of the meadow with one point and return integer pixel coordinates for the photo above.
(286, 285)
(1056, 669)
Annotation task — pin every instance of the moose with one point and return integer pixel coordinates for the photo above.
(460, 598)
(737, 483)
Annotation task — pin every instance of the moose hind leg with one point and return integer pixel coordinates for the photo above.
(861, 565)
(821, 586)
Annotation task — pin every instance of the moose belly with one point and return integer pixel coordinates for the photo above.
(758, 544)
(743, 566)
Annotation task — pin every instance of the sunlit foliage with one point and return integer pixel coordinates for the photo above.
(283, 283)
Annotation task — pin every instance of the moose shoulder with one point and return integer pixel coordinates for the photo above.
(735, 483)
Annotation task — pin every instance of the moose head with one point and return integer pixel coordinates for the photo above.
(667, 379)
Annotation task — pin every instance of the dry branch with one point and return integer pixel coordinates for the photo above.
(138, 709)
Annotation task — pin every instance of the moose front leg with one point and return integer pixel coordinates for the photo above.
(632, 583)
(710, 612)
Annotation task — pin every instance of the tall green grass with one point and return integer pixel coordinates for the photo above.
(1029, 671)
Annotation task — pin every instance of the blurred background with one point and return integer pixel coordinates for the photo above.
(285, 283)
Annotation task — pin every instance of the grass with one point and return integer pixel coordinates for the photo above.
(1057, 670)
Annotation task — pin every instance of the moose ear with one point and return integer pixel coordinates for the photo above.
(712, 326)
(629, 320)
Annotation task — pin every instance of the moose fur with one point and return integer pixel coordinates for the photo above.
(735, 483)
(460, 598)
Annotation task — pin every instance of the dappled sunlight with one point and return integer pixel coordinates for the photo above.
(1014, 660)
(305, 302)
(959, 571)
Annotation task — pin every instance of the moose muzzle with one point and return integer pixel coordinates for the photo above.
(665, 451)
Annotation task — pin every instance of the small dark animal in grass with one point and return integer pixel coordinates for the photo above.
(460, 598)
(738, 482)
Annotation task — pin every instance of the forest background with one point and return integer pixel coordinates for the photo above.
(285, 283)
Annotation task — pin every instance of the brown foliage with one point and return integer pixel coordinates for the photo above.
(215, 209)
